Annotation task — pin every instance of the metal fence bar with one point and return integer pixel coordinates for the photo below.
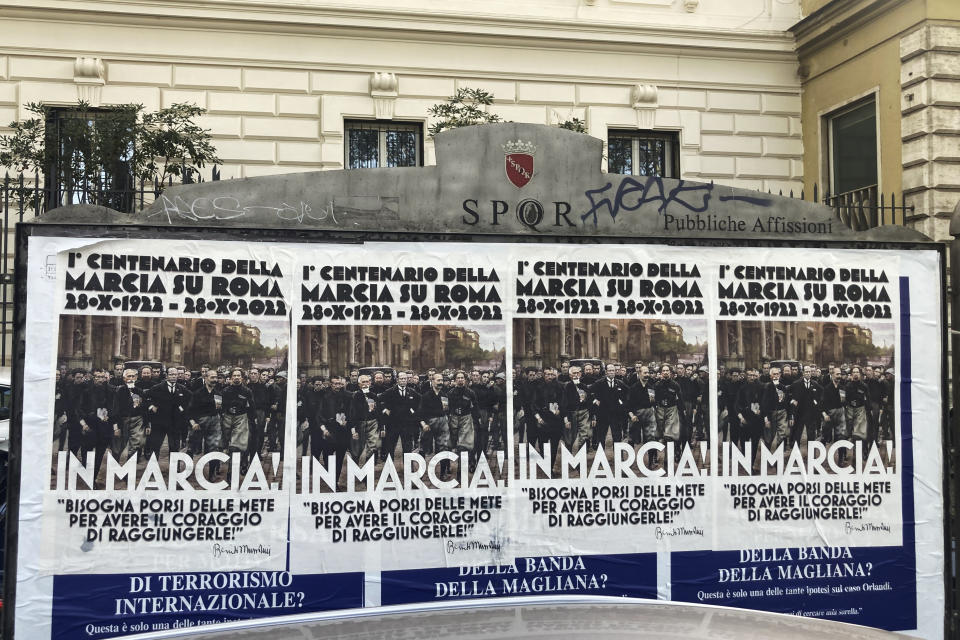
(6, 320)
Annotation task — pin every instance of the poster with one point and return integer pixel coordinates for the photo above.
(226, 429)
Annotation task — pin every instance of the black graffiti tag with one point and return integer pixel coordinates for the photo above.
(633, 194)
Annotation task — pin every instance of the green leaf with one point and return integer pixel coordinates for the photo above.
(462, 109)
(105, 149)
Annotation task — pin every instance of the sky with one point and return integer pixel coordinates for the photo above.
(694, 331)
(492, 336)
(271, 330)
(884, 333)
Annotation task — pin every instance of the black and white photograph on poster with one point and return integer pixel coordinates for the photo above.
(390, 398)
(806, 386)
(594, 383)
(142, 399)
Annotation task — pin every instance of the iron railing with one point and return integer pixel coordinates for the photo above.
(26, 194)
(862, 209)
(23, 197)
(866, 208)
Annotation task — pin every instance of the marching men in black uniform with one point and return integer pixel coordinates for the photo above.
(363, 422)
(642, 411)
(463, 411)
(774, 403)
(671, 417)
(748, 414)
(204, 419)
(857, 398)
(435, 430)
(549, 413)
(576, 407)
(833, 411)
(129, 414)
(95, 420)
(334, 437)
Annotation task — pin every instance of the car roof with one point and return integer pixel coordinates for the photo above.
(566, 617)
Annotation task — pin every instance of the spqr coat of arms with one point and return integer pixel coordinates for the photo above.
(518, 161)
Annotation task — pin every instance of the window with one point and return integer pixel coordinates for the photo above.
(852, 151)
(383, 144)
(6, 401)
(643, 153)
(89, 153)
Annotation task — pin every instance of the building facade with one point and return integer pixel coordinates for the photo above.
(89, 341)
(881, 112)
(327, 350)
(547, 343)
(699, 89)
(750, 343)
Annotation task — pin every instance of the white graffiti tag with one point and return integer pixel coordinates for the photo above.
(229, 207)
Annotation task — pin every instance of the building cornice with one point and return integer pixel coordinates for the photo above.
(439, 71)
(407, 24)
(836, 20)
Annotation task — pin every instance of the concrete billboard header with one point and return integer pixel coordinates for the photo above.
(494, 179)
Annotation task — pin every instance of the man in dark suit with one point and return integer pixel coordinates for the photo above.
(482, 387)
(462, 414)
(312, 394)
(276, 419)
(887, 407)
(204, 418)
(61, 418)
(672, 420)
(334, 436)
(634, 374)
(641, 408)
(833, 412)
(576, 410)
(353, 386)
(425, 384)
(874, 383)
(524, 400)
(435, 430)
(167, 404)
(748, 414)
(129, 414)
(363, 423)
(549, 412)
(805, 398)
(857, 397)
(117, 378)
(197, 383)
(610, 398)
(728, 388)
(95, 418)
(774, 401)
(76, 389)
(399, 405)
(259, 409)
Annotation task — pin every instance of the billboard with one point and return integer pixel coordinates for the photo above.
(223, 429)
